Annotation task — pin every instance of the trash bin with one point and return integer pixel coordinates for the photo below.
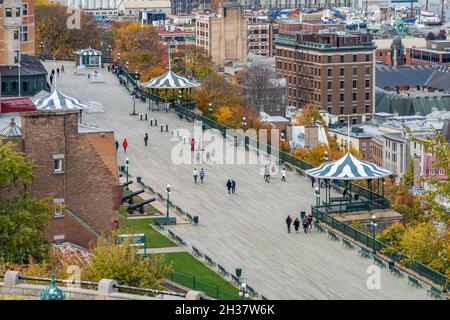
(138, 179)
(356, 197)
(195, 219)
(238, 272)
(302, 215)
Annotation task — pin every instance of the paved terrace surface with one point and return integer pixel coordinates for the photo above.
(246, 229)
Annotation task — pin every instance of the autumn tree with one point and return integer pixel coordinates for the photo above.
(193, 61)
(308, 115)
(141, 47)
(23, 218)
(408, 177)
(259, 88)
(58, 39)
(121, 262)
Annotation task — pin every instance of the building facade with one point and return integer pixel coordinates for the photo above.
(223, 35)
(78, 172)
(435, 52)
(261, 36)
(333, 70)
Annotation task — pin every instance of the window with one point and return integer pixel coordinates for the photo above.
(8, 12)
(367, 108)
(341, 98)
(58, 207)
(353, 122)
(341, 59)
(24, 30)
(341, 84)
(431, 172)
(367, 71)
(329, 72)
(354, 58)
(25, 9)
(367, 57)
(441, 172)
(329, 84)
(354, 97)
(16, 56)
(16, 34)
(367, 83)
(329, 98)
(58, 166)
(355, 71)
(329, 59)
(354, 109)
(367, 96)
(18, 12)
(341, 72)
(354, 84)
(341, 110)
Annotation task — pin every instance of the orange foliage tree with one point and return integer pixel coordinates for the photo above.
(141, 47)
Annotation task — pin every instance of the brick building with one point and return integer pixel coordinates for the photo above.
(261, 35)
(331, 69)
(17, 48)
(79, 172)
(435, 52)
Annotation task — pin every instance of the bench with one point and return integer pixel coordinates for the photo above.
(196, 252)
(139, 205)
(126, 184)
(347, 244)
(318, 227)
(252, 291)
(180, 241)
(129, 197)
(172, 235)
(357, 206)
(209, 261)
(434, 292)
(235, 279)
(340, 199)
(414, 282)
(395, 271)
(332, 236)
(222, 270)
(379, 262)
(162, 220)
(363, 252)
(159, 225)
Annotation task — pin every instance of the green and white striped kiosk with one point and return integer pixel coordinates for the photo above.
(89, 58)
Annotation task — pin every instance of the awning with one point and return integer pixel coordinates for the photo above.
(57, 100)
(17, 105)
(348, 168)
(170, 80)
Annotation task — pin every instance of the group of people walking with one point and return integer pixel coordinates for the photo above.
(196, 174)
(306, 223)
(231, 186)
(52, 73)
(268, 174)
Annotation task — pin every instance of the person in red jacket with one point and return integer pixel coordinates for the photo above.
(192, 144)
(125, 144)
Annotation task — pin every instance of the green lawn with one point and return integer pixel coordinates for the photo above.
(154, 238)
(186, 267)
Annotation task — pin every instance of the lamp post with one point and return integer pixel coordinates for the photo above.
(179, 97)
(243, 291)
(317, 191)
(244, 123)
(325, 158)
(118, 59)
(374, 233)
(127, 164)
(127, 66)
(282, 137)
(168, 189)
(42, 46)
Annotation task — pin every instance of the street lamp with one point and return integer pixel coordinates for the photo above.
(127, 65)
(109, 52)
(179, 97)
(244, 122)
(127, 164)
(374, 230)
(243, 291)
(210, 107)
(282, 137)
(42, 46)
(118, 59)
(325, 158)
(168, 189)
(317, 191)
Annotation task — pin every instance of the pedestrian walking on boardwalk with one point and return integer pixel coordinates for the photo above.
(266, 174)
(283, 174)
(233, 186)
(117, 145)
(51, 79)
(125, 144)
(53, 72)
(208, 157)
(309, 222)
(202, 175)
(312, 182)
(62, 68)
(296, 224)
(57, 72)
(229, 184)
(288, 222)
(192, 144)
(146, 139)
(195, 175)
(305, 224)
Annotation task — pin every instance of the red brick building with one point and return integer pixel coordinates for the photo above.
(78, 174)
(331, 69)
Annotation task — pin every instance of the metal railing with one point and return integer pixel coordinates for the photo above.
(368, 241)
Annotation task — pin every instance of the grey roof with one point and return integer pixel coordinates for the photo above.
(29, 66)
(429, 76)
(11, 130)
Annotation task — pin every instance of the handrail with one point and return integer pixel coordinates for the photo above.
(84, 223)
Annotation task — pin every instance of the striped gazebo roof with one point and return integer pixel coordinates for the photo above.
(11, 130)
(170, 80)
(57, 100)
(88, 52)
(348, 168)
